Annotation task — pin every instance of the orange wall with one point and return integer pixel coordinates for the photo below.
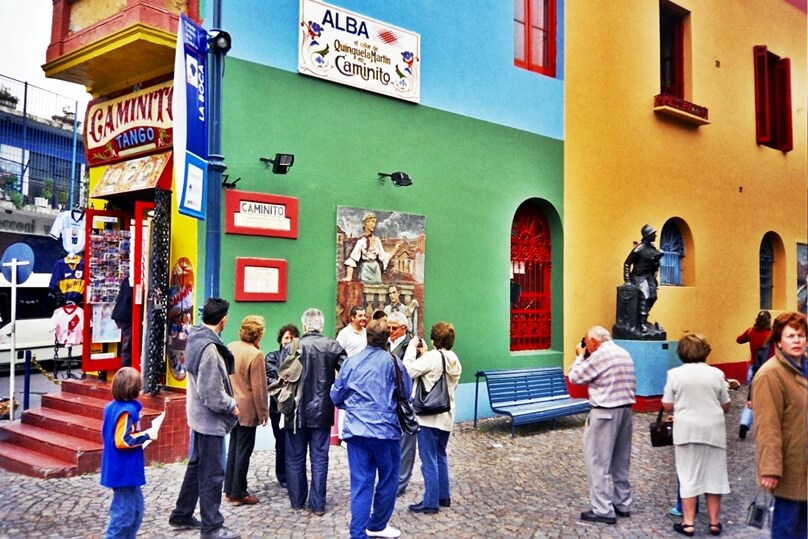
(626, 166)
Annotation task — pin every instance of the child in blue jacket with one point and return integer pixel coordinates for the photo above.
(122, 464)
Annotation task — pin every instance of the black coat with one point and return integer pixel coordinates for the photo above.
(321, 357)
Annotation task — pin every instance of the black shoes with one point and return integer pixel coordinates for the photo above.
(624, 514)
(445, 503)
(421, 508)
(742, 430)
(190, 523)
(589, 516)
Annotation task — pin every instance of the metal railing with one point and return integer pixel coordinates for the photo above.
(42, 163)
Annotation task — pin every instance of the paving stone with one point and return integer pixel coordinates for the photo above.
(502, 487)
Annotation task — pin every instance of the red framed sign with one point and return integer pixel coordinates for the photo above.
(260, 279)
(260, 214)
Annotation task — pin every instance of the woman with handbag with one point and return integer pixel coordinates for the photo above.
(436, 374)
(697, 395)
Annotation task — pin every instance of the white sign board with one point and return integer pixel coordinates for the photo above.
(348, 48)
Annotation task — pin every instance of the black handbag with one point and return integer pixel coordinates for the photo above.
(661, 431)
(436, 400)
(759, 513)
(406, 413)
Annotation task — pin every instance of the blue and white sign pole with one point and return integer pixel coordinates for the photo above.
(17, 265)
(216, 166)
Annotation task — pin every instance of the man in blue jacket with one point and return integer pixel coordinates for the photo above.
(366, 388)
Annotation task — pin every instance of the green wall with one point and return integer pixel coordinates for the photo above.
(469, 178)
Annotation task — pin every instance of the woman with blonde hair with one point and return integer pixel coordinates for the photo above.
(697, 395)
(249, 381)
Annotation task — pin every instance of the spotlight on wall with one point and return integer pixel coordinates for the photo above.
(281, 164)
(228, 184)
(219, 40)
(400, 179)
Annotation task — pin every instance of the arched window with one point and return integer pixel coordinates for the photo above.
(531, 266)
(766, 273)
(670, 268)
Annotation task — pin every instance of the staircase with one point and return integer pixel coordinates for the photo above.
(62, 438)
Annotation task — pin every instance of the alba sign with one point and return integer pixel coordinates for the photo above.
(348, 48)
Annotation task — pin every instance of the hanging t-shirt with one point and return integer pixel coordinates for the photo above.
(69, 225)
(68, 278)
(68, 323)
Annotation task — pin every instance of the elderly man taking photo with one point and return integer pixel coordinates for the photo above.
(609, 372)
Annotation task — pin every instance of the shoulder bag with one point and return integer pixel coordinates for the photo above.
(406, 413)
(661, 431)
(758, 514)
(436, 400)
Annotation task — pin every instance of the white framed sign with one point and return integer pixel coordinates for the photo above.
(348, 48)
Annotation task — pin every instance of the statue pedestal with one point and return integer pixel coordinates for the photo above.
(629, 324)
(652, 360)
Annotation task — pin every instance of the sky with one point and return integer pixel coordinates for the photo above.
(27, 28)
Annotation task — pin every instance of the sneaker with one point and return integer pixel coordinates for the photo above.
(674, 512)
(220, 533)
(388, 531)
(190, 523)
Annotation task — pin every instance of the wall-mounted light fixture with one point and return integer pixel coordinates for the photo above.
(281, 164)
(400, 179)
(230, 185)
(219, 40)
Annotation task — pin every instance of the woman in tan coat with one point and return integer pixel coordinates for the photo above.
(249, 381)
(780, 401)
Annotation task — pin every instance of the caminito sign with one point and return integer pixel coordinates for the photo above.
(348, 48)
(130, 125)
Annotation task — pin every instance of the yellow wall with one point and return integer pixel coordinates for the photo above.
(626, 166)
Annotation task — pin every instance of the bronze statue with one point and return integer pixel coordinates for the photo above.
(638, 293)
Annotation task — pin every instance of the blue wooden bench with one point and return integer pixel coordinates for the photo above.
(529, 395)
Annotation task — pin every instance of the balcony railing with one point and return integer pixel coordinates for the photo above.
(670, 105)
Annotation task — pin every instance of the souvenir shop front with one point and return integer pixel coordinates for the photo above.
(139, 311)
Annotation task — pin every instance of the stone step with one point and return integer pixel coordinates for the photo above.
(85, 455)
(28, 462)
(79, 426)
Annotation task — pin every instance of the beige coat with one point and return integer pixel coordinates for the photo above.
(249, 384)
(429, 368)
(780, 401)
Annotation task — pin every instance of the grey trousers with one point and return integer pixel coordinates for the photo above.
(409, 443)
(607, 455)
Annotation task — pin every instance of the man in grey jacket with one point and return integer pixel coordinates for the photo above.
(212, 411)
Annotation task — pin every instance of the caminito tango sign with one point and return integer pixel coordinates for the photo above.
(348, 48)
(130, 125)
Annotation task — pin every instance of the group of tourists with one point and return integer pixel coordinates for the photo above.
(697, 396)
(227, 394)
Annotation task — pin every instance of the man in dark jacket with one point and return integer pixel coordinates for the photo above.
(212, 412)
(309, 427)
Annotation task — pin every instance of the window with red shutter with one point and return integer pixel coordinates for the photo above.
(772, 100)
(534, 35)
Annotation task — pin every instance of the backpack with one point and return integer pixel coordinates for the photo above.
(285, 390)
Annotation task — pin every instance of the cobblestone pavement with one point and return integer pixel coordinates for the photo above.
(531, 486)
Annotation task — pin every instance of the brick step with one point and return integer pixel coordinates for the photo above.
(28, 462)
(91, 387)
(79, 426)
(84, 454)
(79, 404)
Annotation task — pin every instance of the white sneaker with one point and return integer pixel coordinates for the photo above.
(389, 531)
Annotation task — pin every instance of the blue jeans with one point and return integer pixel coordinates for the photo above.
(434, 465)
(125, 513)
(366, 457)
(789, 519)
(203, 481)
(316, 441)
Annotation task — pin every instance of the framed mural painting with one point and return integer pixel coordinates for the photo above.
(380, 264)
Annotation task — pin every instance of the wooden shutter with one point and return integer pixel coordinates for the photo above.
(782, 105)
(762, 114)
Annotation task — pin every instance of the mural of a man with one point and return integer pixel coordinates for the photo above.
(396, 305)
(369, 254)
